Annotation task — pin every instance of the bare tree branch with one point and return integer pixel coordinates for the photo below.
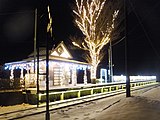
(96, 24)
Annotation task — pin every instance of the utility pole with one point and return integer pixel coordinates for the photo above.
(128, 92)
(35, 37)
(49, 29)
(110, 62)
(36, 46)
(47, 80)
(36, 52)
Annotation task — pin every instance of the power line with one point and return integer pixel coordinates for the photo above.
(145, 32)
(118, 41)
(20, 12)
(146, 16)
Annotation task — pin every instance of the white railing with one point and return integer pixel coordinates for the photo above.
(133, 78)
(69, 94)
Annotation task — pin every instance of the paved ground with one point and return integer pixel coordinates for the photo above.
(143, 105)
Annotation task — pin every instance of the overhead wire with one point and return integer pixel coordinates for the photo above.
(118, 41)
(135, 26)
(145, 32)
(146, 16)
(19, 12)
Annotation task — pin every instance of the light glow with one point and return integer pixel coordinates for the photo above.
(87, 17)
(49, 26)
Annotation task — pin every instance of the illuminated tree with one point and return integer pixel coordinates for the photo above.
(90, 18)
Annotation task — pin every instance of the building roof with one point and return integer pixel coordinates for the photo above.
(59, 53)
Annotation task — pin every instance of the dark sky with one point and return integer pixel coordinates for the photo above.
(143, 39)
(17, 30)
(144, 50)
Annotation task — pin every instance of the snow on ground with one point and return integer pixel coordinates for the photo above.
(6, 109)
(143, 105)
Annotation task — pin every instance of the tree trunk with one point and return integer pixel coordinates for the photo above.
(93, 74)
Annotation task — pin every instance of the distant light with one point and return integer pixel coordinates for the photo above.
(6, 67)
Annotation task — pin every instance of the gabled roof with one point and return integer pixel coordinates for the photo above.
(61, 51)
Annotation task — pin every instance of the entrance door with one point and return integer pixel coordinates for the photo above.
(80, 75)
(57, 75)
(88, 76)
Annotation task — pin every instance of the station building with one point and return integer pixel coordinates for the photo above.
(63, 69)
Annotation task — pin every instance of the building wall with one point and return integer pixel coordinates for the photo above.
(60, 73)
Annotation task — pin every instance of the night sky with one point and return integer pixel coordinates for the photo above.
(17, 32)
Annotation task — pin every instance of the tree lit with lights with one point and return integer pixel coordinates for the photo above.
(90, 18)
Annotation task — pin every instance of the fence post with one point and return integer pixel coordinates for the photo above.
(102, 90)
(62, 96)
(79, 94)
(92, 91)
(117, 87)
(110, 89)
